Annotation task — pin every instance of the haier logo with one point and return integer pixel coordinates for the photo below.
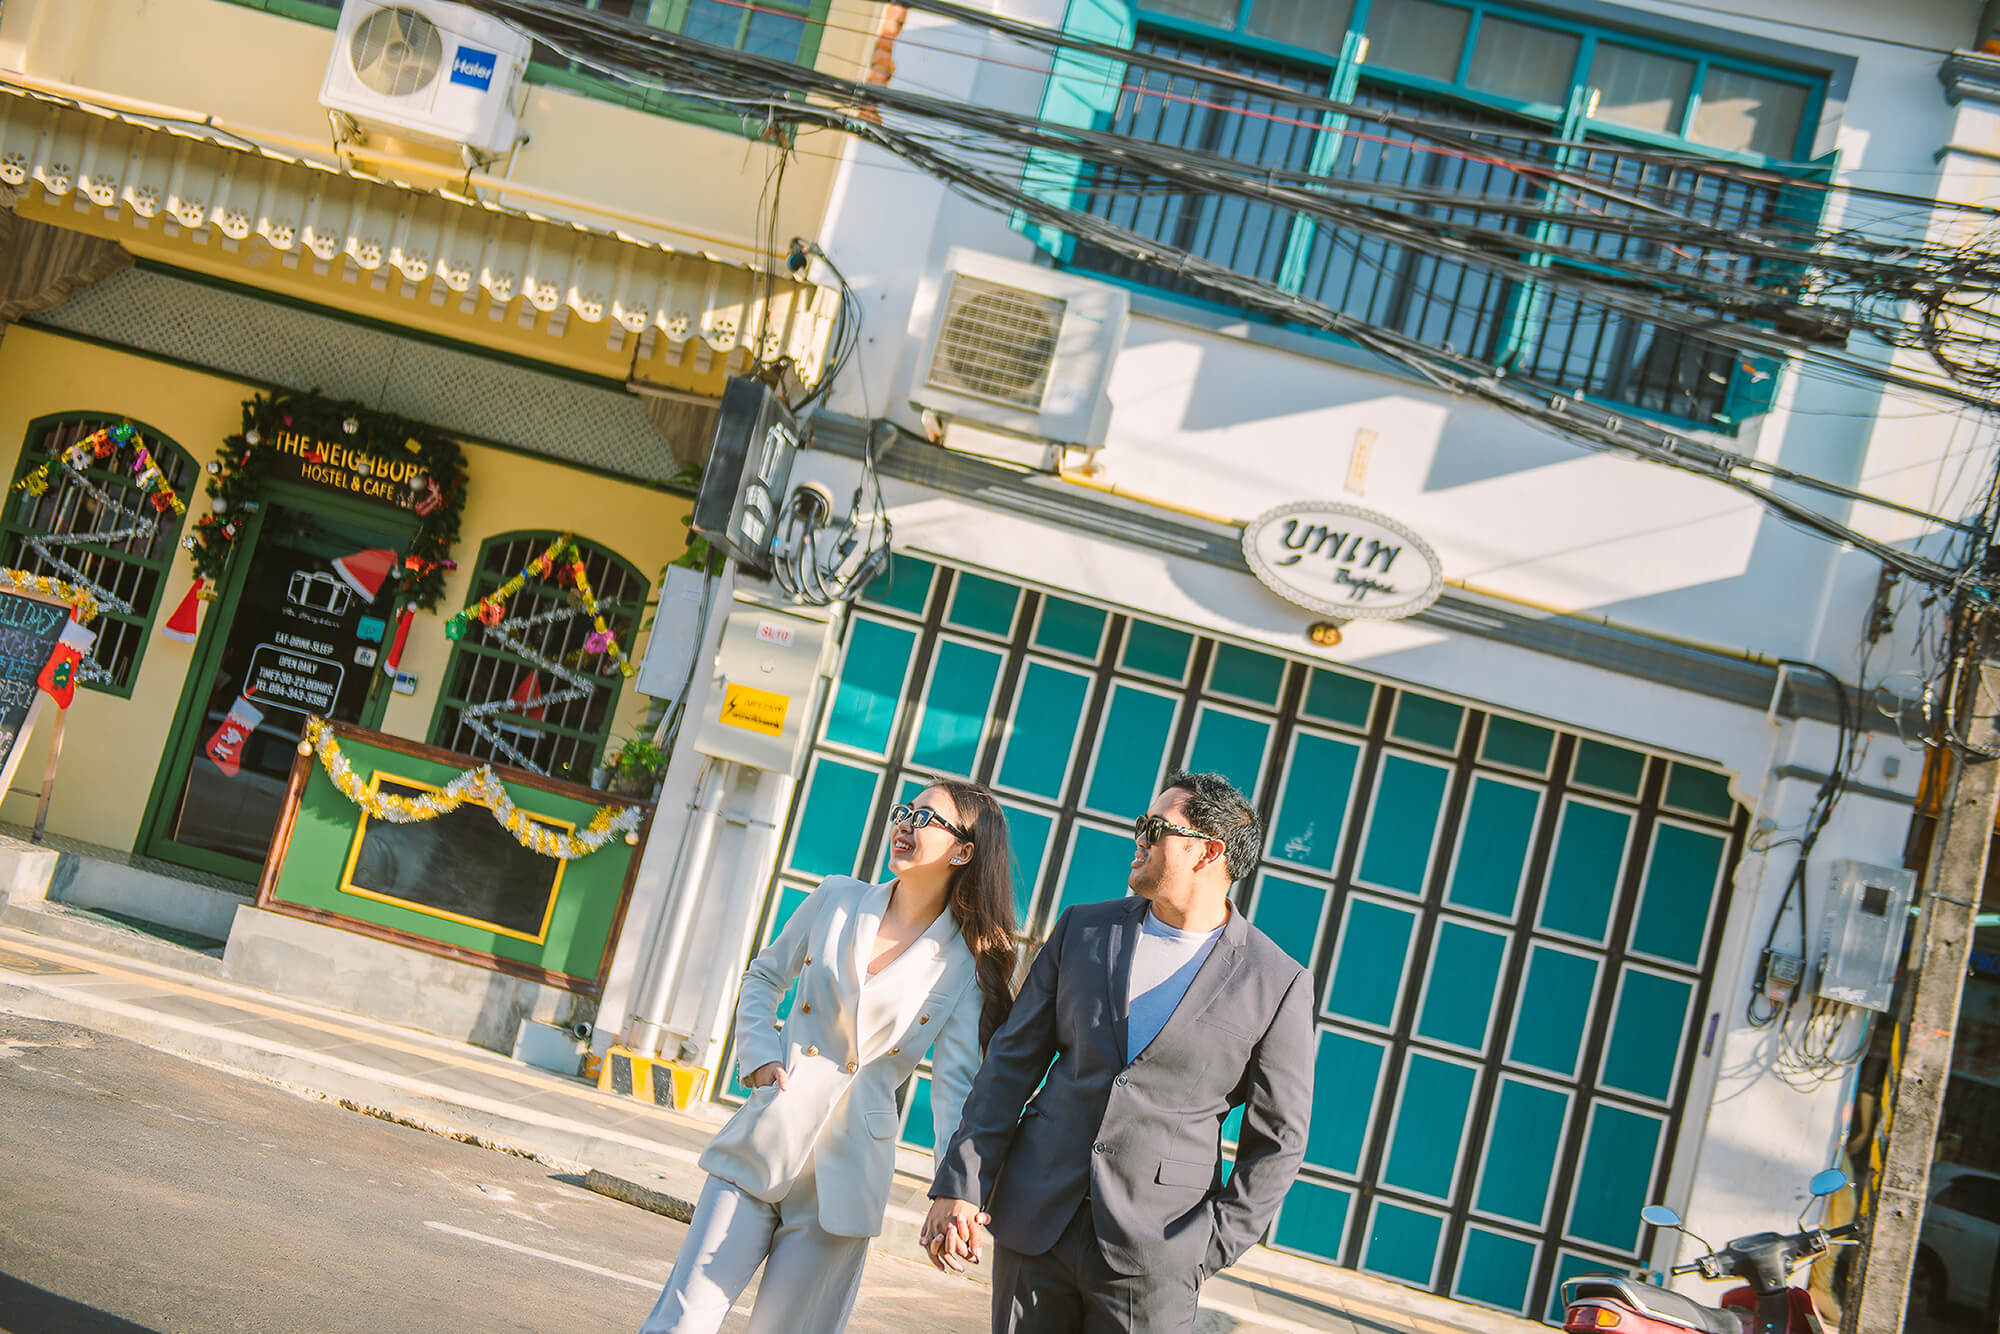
(474, 67)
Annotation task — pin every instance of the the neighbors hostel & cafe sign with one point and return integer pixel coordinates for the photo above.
(383, 478)
(1342, 560)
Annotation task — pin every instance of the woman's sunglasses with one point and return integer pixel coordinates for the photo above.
(1150, 829)
(923, 817)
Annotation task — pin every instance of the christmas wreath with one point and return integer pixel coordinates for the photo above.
(250, 458)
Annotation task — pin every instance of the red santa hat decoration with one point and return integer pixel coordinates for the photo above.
(366, 571)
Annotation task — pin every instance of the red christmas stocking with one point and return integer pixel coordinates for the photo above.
(226, 746)
(58, 678)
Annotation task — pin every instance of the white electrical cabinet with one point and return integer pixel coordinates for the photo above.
(664, 672)
(1861, 934)
(761, 704)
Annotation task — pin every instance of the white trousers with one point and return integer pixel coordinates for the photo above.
(810, 1276)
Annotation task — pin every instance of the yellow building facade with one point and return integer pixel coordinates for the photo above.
(191, 248)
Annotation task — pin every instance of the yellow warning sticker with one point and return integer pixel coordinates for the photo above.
(755, 710)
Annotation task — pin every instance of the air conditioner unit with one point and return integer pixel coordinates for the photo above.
(427, 69)
(1016, 348)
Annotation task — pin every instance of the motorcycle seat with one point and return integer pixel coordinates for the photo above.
(1662, 1304)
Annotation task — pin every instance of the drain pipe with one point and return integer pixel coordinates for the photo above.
(756, 863)
(647, 1029)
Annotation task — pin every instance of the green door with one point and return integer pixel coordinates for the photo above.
(306, 613)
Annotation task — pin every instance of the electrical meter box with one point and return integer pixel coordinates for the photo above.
(1861, 934)
(761, 704)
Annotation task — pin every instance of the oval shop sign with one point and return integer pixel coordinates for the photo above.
(1348, 562)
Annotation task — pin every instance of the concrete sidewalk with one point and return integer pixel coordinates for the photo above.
(472, 1095)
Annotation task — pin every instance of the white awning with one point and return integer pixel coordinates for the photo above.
(149, 182)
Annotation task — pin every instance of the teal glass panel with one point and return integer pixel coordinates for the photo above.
(1403, 1243)
(1554, 1010)
(1100, 862)
(1570, 1265)
(1495, 1268)
(1432, 1109)
(1156, 650)
(1464, 975)
(1583, 873)
(1132, 742)
(1608, 768)
(1368, 969)
(1231, 745)
(1048, 717)
(1616, 1176)
(919, 1128)
(1700, 792)
(1314, 1220)
(863, 713)
(1402, 826)
(1647, 1031)
(832, 818)
(1028, 833)
(1336, 697)
(983, 604)
(1513, 742)
(1246, 674)
(1289, 912)
(1346, 1073)
(1070, 627)
(1681, 876)
(955, 707)
(1493, 842)
(905, 585)
(1312, 810)
(1523, 1139)
(1425, 721)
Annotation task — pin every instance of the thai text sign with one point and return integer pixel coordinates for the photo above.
(400, 482)
(1343, 560)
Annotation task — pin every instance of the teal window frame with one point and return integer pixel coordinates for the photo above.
(668, 15)
(1753, 381)
(182, 472)
(591, 743)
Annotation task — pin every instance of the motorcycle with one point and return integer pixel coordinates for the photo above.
(1764, 1260)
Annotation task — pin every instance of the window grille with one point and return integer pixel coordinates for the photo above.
(1548, 331)
(564, 738)
(63, 519)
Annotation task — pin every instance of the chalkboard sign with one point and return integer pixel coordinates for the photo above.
(29, 628)
(462, 866)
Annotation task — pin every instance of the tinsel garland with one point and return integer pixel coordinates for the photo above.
(478, 785)
(561, 560)
(238, 473)
(102, 447)
(81, 601)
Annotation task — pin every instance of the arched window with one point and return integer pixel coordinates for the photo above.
(503, 699)
(102, 531)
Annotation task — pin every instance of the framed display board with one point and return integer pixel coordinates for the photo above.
(458, 885)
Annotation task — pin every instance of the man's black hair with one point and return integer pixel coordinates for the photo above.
(1212, 804)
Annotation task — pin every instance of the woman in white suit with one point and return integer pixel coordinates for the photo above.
(799, 1179)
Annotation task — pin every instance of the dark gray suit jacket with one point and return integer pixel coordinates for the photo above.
(1145, 1138)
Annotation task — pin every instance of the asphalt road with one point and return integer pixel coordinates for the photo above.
(140, 1192)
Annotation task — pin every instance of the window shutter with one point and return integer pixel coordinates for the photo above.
(1082, 91)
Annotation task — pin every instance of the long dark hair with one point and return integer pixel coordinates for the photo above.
(981, 898)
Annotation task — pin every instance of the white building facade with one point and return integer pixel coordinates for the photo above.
(1533, 841)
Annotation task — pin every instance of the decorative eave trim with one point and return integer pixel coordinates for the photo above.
(206, 183)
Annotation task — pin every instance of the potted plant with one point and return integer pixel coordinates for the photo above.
(637, 767)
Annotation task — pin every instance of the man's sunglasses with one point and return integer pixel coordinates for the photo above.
(923, 817)
(1150, 829)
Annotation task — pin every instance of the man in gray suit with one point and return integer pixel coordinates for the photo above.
(1162, 1012)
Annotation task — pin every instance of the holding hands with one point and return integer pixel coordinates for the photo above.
(954, 1230)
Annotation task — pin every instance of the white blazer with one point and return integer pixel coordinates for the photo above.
(846, 1048)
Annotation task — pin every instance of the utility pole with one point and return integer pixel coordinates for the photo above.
(1927, 1019)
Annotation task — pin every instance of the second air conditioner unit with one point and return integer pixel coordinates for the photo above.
(428, 70)
(1016, 348)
